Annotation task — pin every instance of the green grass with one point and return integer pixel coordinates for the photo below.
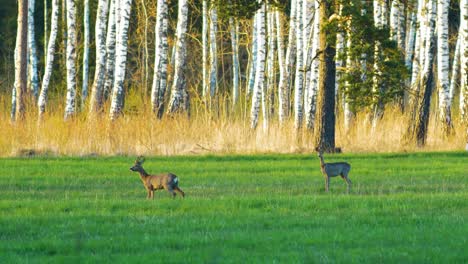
(408, 208)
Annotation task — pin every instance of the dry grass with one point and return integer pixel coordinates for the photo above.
(142, 134)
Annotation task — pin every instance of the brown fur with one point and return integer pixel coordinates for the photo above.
(166, 181)
(334, 169)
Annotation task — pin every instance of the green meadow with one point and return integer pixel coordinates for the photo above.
(403, 208)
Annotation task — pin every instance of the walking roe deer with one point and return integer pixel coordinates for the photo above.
(334, 169)
(167, 181)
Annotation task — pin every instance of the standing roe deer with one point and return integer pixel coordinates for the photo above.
(334, 169)
(167, 181)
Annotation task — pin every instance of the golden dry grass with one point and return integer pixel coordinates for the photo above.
(142, 134)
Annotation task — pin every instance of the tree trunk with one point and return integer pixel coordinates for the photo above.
(299, 80)
(377, 86)
(464, 62)
(179, 96)
(455, 69)
(234, 24)
(253, 64)
(99, 73)
(205, 48)
(45, 29)
(118, 93)
(160, 65)
(84, 86)
(314, 68)
(285, 82)
(281, 65)
(21, 70)
(32, 47)
(426, 81)
(443, 64)
(50, 58)
(71, 60)
(110, 50)
(260, 67)
(325, 116)
(340, 52)
(213, 51)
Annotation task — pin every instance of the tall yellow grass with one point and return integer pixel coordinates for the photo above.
(142, 134)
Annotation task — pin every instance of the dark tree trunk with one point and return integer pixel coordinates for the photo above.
(325, 112)
(21, 75)
(422, 118)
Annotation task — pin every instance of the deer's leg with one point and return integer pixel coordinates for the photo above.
(347, 180)
(171, 191)
(179, 191)
(149, 194)
(327, 183)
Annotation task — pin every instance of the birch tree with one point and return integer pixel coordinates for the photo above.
(71, 60)
(299, 81)
(464, 61)
(32, 48)
(50, 58)
(260, 67)
(120, 57)
(99, 73)
(21, 71)
(213, 50)
(454, 78)
(158, 89)
(284, 83)
(427, 78)
(84, 86)
(179, 100)
(282, 67)
(205, 48)
(443, 63)
(110, 49)
(314, 68)
(253, 62)
(234, 30)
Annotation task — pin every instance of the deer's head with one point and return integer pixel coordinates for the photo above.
(138, 164)
(319, 152)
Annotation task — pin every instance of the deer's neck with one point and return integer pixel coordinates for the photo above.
(143, 173)
(322, 162)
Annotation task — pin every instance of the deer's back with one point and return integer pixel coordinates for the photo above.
(163, 180)
(337, 168)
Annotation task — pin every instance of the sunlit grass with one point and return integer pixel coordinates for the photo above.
(258, 208)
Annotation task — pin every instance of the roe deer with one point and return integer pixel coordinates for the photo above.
(167, 181)
(334, 169)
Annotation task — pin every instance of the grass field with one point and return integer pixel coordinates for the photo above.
(408, 208)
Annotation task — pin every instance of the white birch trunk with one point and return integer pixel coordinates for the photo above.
(411, 41)
(233, 24)
(347, 112)
(50, 58)
(281, 63)
(271, 72)
(99, 74)
(299, 80)
(110, 50)
(84, 87)
(419, 42)
(285, 82)
(307, 14)
(443, 63)
(464, 62)
(158, 89)
(340, 51)
(455, 69)
(179, 95)
(205, 48)
(260, 67)
(253, 63)
(314, 78)
(32, 48)
(123, 18)
(213, 51)
(71, 60)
